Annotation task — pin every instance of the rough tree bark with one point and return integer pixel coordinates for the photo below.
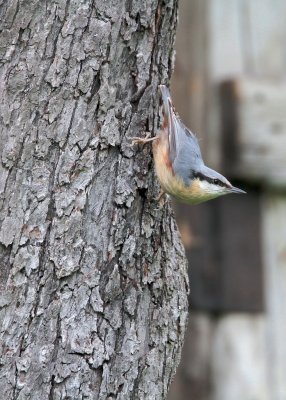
(93, 300)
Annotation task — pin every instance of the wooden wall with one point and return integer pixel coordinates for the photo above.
(229, 87)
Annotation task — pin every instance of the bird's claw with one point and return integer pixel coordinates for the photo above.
(161, 198)
(140, 140)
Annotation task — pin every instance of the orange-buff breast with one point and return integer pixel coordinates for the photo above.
(171, 183)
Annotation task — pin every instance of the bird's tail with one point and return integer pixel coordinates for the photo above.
(169, 121)
(167, 101)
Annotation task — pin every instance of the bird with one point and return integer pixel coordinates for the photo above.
(179, 165)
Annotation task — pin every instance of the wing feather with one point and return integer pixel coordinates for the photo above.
(184, 150)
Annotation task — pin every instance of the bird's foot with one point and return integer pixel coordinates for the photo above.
(161, 198)
(146, 139)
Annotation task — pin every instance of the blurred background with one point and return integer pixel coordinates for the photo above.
(229, 88)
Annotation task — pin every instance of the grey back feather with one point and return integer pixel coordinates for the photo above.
(186, 151)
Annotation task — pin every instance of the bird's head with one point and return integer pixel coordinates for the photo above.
(209, 184)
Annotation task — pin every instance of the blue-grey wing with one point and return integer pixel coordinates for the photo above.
(186, 151)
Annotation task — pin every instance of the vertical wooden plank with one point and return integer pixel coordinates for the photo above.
(226, 60)
(222, 241)
(197, 227)
(239, 359)
(193, 376)
(189, 78)
(267, 37)
(241, 253)
(274, 240)
(224, 32)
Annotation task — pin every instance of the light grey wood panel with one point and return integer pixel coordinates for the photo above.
(265, 20)
(224, 35)
(254, 124)
(274, 244)
(239, 359)
(225, 61)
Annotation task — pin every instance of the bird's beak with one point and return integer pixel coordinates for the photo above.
(236, 190)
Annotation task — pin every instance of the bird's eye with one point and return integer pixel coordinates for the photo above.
(216, 181)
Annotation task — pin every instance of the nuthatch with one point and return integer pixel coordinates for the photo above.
(178, 161)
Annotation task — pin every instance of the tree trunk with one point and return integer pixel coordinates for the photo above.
(93, 300)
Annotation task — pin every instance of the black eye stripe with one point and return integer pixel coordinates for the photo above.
(202, 177)
(218, 182)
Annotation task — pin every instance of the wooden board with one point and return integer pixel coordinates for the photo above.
(189, 78)
(265, 36)
(274, 245)
(223, 245)
(238, 361)
(254, 130)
